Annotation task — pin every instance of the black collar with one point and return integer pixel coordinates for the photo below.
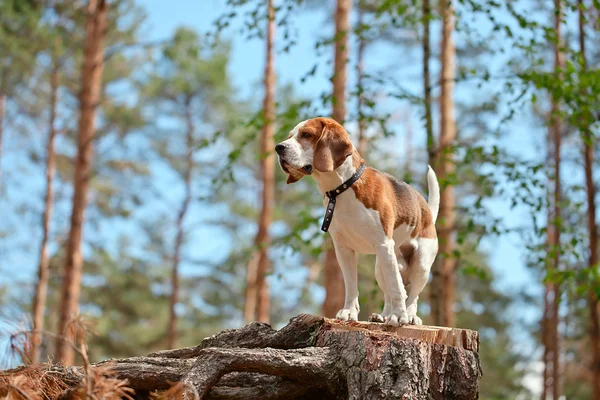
(332, 194)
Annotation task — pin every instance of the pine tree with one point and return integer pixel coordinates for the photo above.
(434, 285)
(193, 90)
(53, 36)
(334, 288)
(446, 169)
(91, 81)
(257, 305)
(551, 320)
(588, 157)
(41, 290)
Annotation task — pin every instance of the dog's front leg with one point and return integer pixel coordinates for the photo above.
(386, 260)
(346, 257)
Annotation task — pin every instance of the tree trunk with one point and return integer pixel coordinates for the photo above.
(446, 167)
(310, 358)
(552, 295)
(588, 157)
(360, 71)
(2, 113)
(434, 286)
(427, 82)
(342, 32)
(91, 83)
(259, 309)
(41, 290)
(334, 282)
(187, 181)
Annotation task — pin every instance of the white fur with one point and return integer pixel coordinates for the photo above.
(295, 155)
(433, 197)
(356, 229)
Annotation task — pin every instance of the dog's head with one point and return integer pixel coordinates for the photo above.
(319, 143)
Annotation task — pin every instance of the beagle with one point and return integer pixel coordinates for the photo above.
(369, 212)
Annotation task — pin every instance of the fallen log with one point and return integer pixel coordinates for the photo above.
(311, 358)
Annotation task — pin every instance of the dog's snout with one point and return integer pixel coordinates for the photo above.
(280, 148)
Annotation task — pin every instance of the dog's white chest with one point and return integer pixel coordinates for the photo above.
(355, 226)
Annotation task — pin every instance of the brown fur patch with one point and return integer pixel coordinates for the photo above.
(396, 201)
(332, 146)
(311, 132)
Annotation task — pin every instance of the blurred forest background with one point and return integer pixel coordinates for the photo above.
(138, 184)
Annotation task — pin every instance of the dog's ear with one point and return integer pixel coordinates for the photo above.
(333, 147)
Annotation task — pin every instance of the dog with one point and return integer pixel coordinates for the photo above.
(374, 214)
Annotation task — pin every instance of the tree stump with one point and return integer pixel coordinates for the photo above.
(313, 358)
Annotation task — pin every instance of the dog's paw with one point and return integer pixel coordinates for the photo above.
(347, 315)
(377, 318)
(397, 319)
(415, 320)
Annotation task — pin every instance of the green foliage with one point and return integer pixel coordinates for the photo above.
(18, 24)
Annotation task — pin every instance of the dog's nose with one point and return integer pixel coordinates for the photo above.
(279, 149)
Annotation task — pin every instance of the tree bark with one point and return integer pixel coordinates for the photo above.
(342, 33)
(187, 181)
(588, 157)
(259, 309)
(426, 9)
(310, 358)
(447, 167)
(91, 83)
(333, 280)
(434, 286)
(360, 71)
(41, 289)
(551, 384)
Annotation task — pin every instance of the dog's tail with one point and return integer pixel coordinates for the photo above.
(433, 199)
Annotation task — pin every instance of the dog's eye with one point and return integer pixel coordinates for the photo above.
(305, 135)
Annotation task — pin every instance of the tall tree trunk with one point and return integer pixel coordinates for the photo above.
(360, 71)
(427, 82)
(588, 157)
(91, 84)
(446, 167)
(334, 282)
(251, 292)
(2, 113)
(552, 295)
(187, 181)
(41, 290)
(434, 286)
(261, 311)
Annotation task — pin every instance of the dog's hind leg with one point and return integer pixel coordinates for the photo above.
(420, 266)
(386, 260)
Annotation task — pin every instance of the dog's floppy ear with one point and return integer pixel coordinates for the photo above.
(332, 148)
